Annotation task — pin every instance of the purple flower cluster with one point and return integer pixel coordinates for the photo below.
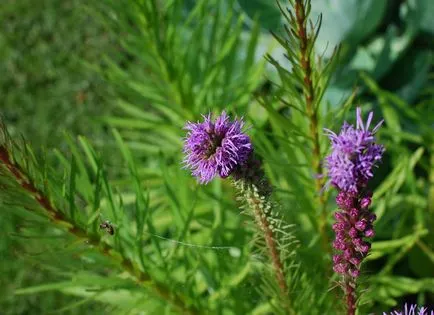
(412, 310)
(217, 147)
(354, 154)
(353, 225)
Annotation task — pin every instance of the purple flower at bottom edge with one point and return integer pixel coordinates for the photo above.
(354, 154)
(412, 310)
(217, 147)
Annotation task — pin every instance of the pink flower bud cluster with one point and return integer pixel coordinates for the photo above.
(353, 228)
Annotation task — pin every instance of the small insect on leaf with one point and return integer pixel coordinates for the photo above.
(108, 227)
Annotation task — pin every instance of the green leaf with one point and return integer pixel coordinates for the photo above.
(381, 248)
(265, 11)
(72, 177)
(349, 20)
(410, 74)
(81, 279)
(419, 12)
(399, 174)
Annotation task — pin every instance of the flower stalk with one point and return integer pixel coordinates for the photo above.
(305, 42)
(353, 227)
(220, 148)
(255, 191)
(350, 167)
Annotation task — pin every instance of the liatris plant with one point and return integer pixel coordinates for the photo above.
(412, 310)
(220, 148)
(111, 224)
(350, 167)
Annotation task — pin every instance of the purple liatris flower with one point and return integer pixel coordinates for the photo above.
(215, 147)
(219, 147)
(412, 310)
(350, 166)
(354, 154)
(353, 226)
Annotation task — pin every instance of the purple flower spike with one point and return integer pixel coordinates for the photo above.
(350, 167)
(217, 147)
(412, 310)
(354, 154)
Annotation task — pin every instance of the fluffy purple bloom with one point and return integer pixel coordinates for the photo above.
(354, 153)
(217, 147)
(412, 310)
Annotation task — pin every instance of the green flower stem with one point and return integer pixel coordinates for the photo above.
(94, 239)
(256, 198)
(309, 94)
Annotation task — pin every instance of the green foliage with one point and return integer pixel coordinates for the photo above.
(128, 75)
(404, 203)
(203, 60)
(41, 48)
(390, 40)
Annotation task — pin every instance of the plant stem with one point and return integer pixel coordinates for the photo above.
(350, 299)
(255, 191)
(273, 251)
(256, 198)
(271, 246)
(309, 95)
(94, 239)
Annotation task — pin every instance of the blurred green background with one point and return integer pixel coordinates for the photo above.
(67, 67)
